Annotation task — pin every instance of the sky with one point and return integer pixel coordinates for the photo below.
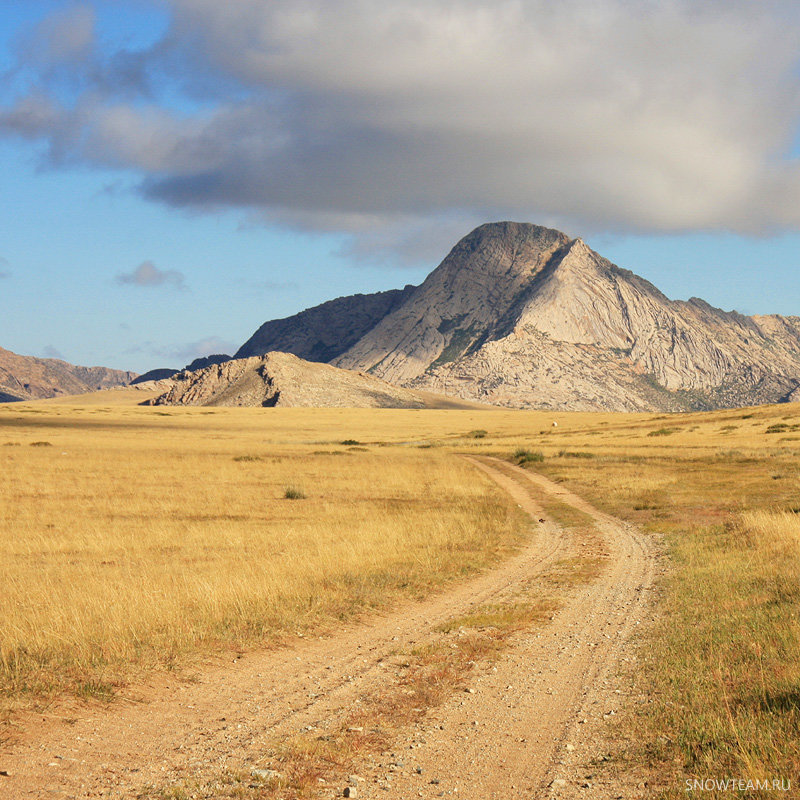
(175, 172)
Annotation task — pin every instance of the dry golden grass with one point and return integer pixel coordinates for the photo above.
(721, 674)
(187, 507)
(136, 536)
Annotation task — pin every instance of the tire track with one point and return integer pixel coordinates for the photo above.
(229, 715)
(549, 695)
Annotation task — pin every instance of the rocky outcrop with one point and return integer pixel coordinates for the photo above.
(283, 379)
(207, 361)
(524, 316)
(324, 332)
(29, 378)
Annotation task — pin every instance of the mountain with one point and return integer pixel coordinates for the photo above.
(162, 373)
(326, 331)
(524, 316)
(157, 374)
(283, 379)
(29, 378)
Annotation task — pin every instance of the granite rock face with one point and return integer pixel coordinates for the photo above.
(282, 379)
(523, 316)
(29, 378)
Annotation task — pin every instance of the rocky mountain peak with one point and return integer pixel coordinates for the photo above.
(503, 248)
(466, 300)
(522, 315)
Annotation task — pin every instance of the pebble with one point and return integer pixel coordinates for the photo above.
(267, 774)
(350, 791)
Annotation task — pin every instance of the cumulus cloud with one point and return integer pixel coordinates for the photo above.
(147, 274)
(373, 117)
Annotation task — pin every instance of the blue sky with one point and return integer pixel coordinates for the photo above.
(173, 174)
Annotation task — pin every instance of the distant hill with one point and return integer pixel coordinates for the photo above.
(161, 373)
(283, 379)
(524, 316)
(29, 378)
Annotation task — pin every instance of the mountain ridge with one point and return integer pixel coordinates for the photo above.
(524, 316)
(31, 378)
(315, 335)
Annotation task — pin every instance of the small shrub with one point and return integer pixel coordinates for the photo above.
(663, 432)
(350, 441)
(247, 458)
(523, 456)
(294, 493)
(575, 454)
(41, 444)
(477, 434)
(778, 428)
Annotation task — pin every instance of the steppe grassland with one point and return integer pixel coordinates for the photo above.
(719, 686)
(203, 548)
(135, 537)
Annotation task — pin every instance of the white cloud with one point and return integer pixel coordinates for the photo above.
(377, 118)
(147, 274)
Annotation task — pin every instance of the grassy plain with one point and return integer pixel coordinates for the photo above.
(720, 682)
(135, 537)
(142, 535)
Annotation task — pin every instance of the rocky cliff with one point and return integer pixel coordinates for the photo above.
(283, 379)
(524, 316)
(29, 378)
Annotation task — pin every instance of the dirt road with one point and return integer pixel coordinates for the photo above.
(525, 729)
